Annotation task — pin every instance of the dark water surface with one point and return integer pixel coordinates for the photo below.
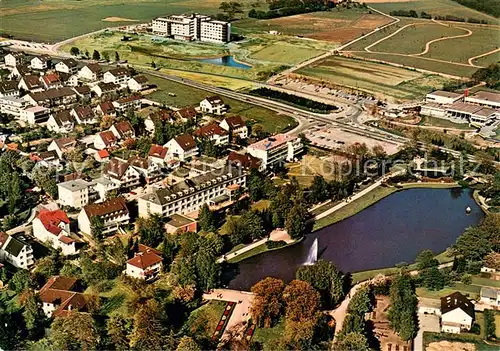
(393, 230)
(225, 61)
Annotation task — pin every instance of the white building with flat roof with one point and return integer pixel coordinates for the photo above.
(11, 105)
(443, 97)
(75, 193)
(35, 114)
(484, 98)
(276, 149)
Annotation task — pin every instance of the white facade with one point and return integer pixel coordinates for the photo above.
(213, 107)
(60, 241)
(12, 106)
(87, 74)
(175, 151)
(112, 220)
(65, 67)
(443, 97)
(16, 251)
(192, 27)
(39, 63)
(74, 193)
(455, 321)
(34, 115)
(13, 59)
(277, 149)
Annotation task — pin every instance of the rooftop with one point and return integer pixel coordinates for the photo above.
(272, 142)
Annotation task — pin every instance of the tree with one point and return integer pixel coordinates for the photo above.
(433, 278)
(207, 270)
(301, 301)
(403, 311)
(280, 206)
(187, 343)
(492, 260)
(489, 324)
(96, 55)
(20, 281)
(351, 341)
(74, 51)
(425, 259)
(207, 219)
(148, 332)
(97, 227)
(117, 56)
(267, 304)
(318, 191)
(105, 55)
(473, 244)
(33, 314)
(361, 302)
(118, 329)
(325, 278)
(295, 223)
(75, 331)
(230, 9)
(152, 230)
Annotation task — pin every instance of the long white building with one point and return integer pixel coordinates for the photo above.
(192, 27)
(189, 196)
(276, 149)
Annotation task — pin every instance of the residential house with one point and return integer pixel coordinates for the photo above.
(122, 173)
(114, 214)
(16, 250)
(213, 132)
(31, 83)
(69, 66)
(9, 88)
(35, 115)
(102, 88)
(146, 264)
(186, 114)
(490, 296)
(52, 227)
(52, 97)
(13, 106)
(148, 169)
(457, 313)
(213, 105)
(90, 72)
(61, 122)
(119, 75)
(213, 188)
(62, 146)
(123, 130)
(158, 154)
(46, 159)
(62, 295)
(276, 150)
(84, 115)
(75, 193)
(236, 126)
(51, 80)
(41, 62)
(102, 155)
(156, 117)
(245, 161)
(182, 147)
(83, 91)
(14, 59)
(106, 109)
(19, 71)
(178, 223)
(138, 83)
(126, 103)
(105, 140)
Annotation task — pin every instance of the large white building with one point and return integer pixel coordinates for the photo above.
(212, 188)
(192, 27)
(443, 97)
(276, 150)
(484, 98)
(457, 313)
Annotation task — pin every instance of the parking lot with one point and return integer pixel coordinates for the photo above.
(429, 323)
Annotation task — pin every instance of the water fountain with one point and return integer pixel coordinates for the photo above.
(312, 256)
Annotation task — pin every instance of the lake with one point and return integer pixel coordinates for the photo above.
(391, 231)
(224, 61)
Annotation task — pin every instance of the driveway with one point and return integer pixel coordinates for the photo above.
(427, 322)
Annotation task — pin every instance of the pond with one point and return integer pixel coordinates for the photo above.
(393, 230)
(225, 61)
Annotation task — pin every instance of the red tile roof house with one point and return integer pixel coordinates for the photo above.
(213, 105)
(52, 227)
(105, 140)
(236, 126)
(84, 115)
(158, 154)
(61, 295)
(102, 156)
(31, 83)
(113, 212)
(51, 80)
(187, 113)
(106, 109)
(127, 103)
(122, 173)
(213, 133)
(181, 147)
(246, 161)
(146, 264)
(123, 130)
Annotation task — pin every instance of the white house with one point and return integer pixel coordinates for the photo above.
(158, 154)
(276, 149)
(122, 130)
(146, 264)
(490, 296)
(84, 115)
(104, 140)
(90, 72)
(61, 122)
(9, 88)
(75, 193)
(35, 115)
(31, 83)
(119, 76)
(62, 145)
(114, 214)
(40, 62)
(484, 98)
(457, 313)
(122, 173)
(14, 59)
(147, 169)
(236, 126)
(61, 295)
(126, 103)
(15, 250)
(181, 147)
(213, 132)
(69, 66)
(11, 105)
(443, 97)
(102, 88)
(213, 105)
(138, 83)
(52, 227)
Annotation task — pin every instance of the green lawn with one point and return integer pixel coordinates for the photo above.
(261, 205)
(440, 122)
(255, 251)
(203, 321)
(186, 95)
(471, 290)
(269, 337)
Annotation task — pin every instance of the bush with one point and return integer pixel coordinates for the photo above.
(275, 244)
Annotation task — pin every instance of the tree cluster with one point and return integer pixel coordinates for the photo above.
(404, 303)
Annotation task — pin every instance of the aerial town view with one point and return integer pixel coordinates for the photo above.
(250, 175)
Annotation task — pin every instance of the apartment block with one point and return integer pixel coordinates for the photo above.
(192, 27)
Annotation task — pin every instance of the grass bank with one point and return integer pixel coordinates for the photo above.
(258, 250)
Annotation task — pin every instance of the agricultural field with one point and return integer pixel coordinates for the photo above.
(379, 79)
(339, 25)
(185, 95)
(432, 7)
